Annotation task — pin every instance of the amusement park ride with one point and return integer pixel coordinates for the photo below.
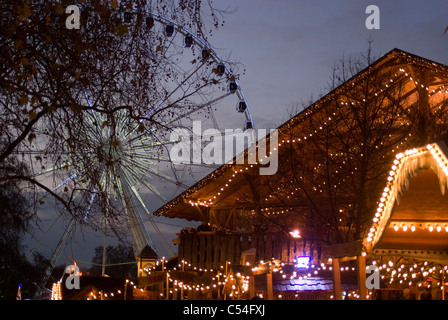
(126, 157)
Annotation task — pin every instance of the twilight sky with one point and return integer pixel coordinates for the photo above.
(288, 48)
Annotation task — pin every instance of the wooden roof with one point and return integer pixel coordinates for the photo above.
(412, 215)
(224, 187)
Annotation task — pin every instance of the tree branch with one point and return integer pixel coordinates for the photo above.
(35, 182)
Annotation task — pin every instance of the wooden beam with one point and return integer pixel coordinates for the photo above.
(231, 213)
(347, 249)
(204, 218)
(212, 216)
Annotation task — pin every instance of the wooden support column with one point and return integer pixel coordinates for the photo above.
(443, 284)
(174, 293)
(252, 290)
(337, 292)
(269, 291)
(362, 290)
(167, 286)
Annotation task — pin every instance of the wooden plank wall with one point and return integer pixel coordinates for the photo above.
(212, 250)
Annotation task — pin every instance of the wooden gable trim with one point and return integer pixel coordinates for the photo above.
(406, 165)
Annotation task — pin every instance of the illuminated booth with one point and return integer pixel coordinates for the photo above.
(407, 242)
(273, 216)
(410, 227)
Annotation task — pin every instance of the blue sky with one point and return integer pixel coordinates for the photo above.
(288, 48)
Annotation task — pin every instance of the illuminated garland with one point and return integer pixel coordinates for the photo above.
(219, 278)
(392, 191)
(400, 56)
(421, 275)
(56, 291)
(213, 197)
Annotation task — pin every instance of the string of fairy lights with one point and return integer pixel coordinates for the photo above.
(239, 283)
(213, 197)
(441, 89)
(412, 273)
(419, 274)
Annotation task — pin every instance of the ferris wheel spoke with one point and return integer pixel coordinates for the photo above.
(136, 171)
(51, 169)
(212, 116)
(154, 224)
(153, 142)
(145, 141)
(75, 196)
(153, 190)
(139, 163)
(135, 175)
(63, 183)
(165, 177)
(141, 236)
(93, 124)
(89, 207)
(151, 157)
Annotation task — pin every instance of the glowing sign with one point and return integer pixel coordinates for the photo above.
(302, 262)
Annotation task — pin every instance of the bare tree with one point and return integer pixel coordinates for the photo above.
(118, 66)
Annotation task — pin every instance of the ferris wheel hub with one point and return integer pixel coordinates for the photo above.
(110, 151)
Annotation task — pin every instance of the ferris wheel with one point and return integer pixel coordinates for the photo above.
(116, 160)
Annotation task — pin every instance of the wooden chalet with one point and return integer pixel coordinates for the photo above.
(311, 202)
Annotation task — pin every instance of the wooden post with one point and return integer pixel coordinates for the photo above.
(337, 292)
(174, 293)
(269, 291)
(182, 286)
(167, 286)
(252, 291)
(443, 284)
(219, 291)
(125, 289)
(361, 277)
(226, 275)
